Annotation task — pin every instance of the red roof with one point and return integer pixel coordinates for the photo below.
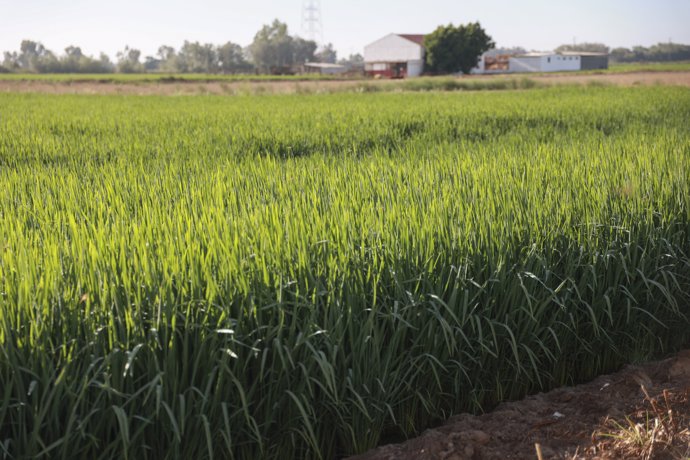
(417, 38)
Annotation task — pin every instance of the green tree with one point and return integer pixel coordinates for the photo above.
(71, 61)
(197, 58)
(167, 58)
(451, 49)
(75, 61)
(152, 64)
(128, 61)
(10, 60)
(303, 50)
(327, 54)
(275, 51)
(231, 59)
(33, 57)
(272, 47)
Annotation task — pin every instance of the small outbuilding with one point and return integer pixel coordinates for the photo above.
(324, 68)
(590, 61)
(395, 56)
(544, 62)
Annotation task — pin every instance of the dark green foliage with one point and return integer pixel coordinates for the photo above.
(451, 49)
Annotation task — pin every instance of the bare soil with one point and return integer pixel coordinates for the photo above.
(286, 87)
(643, 411)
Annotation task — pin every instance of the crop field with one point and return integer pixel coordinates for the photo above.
(134, 78)
(674, 66)
(306, 276)
(155, 78)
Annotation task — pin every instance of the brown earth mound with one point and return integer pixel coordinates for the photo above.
(641, 412)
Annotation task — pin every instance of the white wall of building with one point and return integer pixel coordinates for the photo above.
(415, 68)
(393, 48)
(558, 63)
(544, 63)
(524, 64)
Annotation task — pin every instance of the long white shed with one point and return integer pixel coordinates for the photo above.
(543, 62)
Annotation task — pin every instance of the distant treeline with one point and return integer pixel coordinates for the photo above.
(273, 51)
(660, 52)
(656, 53)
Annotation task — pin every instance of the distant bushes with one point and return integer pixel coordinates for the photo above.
(454, 84)
(661, 52)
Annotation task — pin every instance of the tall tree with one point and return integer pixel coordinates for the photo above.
(327, 54)
(231, 59)
(152, 64)
(303, 50)
(272, 47)
(75, 61)
(10, 60)
(197, 58)
(167, 58)
(33, 57)
(275, 51)
(128, 61)
(451, 49)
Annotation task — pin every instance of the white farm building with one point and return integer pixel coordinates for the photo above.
(402, 55)
(324, 68)
(542, 62)
(395, 56)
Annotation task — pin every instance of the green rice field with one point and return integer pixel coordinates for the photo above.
(307, 276)
(673, 66)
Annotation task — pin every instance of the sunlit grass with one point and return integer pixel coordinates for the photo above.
(676, 66)
(302, 276)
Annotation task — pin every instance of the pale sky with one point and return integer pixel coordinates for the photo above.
(100, 25)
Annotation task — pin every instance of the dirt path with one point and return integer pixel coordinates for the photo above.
(285, 87)
(610, 417)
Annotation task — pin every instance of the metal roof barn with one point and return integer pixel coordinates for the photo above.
(395, 56)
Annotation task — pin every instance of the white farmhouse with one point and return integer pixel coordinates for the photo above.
(395, 56)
